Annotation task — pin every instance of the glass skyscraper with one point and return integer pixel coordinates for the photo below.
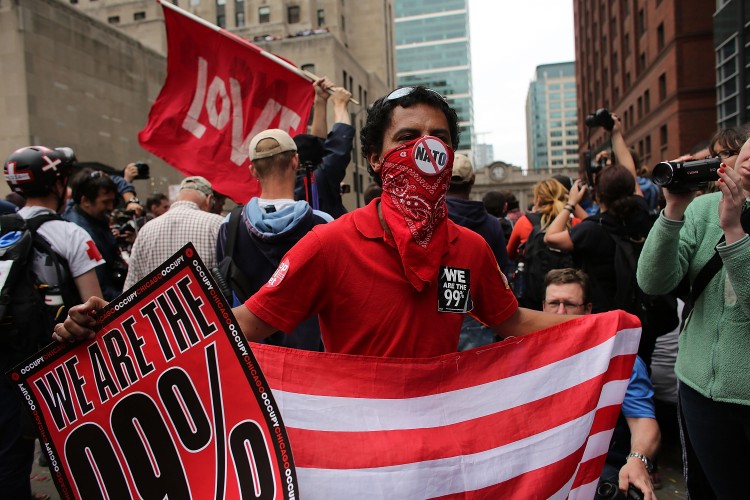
(551, 118)
(432, 49)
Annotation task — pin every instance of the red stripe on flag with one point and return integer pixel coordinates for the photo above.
(323, 373)
(540, 483)
(342, 450)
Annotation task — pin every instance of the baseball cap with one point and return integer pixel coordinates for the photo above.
(462, 169)
(198, 183)
(285, 143)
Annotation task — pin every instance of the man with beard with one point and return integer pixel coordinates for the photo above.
(94, 194)
(394, 278)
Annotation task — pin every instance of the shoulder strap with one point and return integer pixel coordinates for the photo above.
(535, 219)
(34, 223)
(707, 272)
(232, 228)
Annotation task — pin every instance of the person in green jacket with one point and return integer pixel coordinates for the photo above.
(713, 361)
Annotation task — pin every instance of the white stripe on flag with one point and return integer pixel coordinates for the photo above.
(330, 413)
(435, 478)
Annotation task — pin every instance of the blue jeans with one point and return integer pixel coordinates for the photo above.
(474, 334)
(16, 449)
(720, 436)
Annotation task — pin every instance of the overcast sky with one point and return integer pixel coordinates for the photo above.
(509, 39)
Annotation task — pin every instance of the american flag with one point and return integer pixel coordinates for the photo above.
(530, 417)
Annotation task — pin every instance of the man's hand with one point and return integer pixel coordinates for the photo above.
(634, 472)
(321, 87)
(130, 172)
(677, 203)
(80, 323)
(341, 98)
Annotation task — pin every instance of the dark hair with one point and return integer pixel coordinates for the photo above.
(731, 138)
(568, 275)
(372, 191)
(494, 203)
(511, 199)
(379, 118)
(87, 182)
(155, 199)
(614, 188)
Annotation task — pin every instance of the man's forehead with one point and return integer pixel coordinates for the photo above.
(565, 289)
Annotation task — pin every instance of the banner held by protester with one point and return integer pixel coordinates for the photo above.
(530, 417)
(166, 401)
(220, 91)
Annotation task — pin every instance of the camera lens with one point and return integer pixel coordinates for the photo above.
(663, 173)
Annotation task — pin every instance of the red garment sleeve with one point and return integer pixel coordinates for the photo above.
(494, 301)
(295, 291)
(518, 237)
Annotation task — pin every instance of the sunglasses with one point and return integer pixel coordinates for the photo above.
(405, 91)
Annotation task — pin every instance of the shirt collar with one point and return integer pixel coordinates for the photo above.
(367, 222)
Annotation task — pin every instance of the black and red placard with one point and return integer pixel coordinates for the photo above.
(166, 401)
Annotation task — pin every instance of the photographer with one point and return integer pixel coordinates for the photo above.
(332, 152)
(713, 365)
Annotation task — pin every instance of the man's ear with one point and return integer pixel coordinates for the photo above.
(376, 162)
(588, 308)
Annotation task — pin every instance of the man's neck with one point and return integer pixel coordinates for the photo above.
(47, 202)
(277, 189)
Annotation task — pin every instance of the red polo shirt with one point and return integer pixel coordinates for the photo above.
(350, 274)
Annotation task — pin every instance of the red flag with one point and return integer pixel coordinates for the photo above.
(530, 417)
(220, 91)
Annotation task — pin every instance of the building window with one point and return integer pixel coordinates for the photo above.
(627, 44)
(660, 36)
(139, 16)
(321, 17)
(642, 61)
(74, 1)
(264, 14)
(239, 13)
(640, 108)
(647, 101)
(641, 22)
(648, 145)
(292, 14)
(663, 135)
(662, 87)
(113, 20)
(627, 79)
(308, 67)
(343, 23)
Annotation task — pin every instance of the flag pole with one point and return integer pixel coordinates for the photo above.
(273, 57)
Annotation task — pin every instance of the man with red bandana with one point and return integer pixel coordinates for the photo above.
(396, 277)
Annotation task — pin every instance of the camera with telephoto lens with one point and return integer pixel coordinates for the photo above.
(600, 118)
(593, 167)
(609, 490)
(143, 170)
(682, 177)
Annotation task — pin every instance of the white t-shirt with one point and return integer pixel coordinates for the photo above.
(67, 240)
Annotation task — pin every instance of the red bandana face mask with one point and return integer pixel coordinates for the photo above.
(415, 177)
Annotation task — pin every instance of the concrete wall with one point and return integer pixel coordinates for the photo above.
(69, 80)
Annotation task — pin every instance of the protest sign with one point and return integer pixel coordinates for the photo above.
(166, 401)
(220, 91)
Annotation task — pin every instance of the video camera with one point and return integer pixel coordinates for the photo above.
(144, 172)
(600, 118)
(609, 490)
(682, 177)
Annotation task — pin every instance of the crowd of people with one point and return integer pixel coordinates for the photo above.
(303, 273)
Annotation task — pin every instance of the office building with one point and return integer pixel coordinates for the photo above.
(652, 63)
(551, 118)
(432, 49)
(731, 39)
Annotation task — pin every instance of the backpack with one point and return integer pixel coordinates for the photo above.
(658, 313)
(539, 259)
(26, 318)
(236, 287)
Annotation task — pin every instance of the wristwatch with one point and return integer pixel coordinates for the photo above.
(134, 199)
(643, 458)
